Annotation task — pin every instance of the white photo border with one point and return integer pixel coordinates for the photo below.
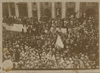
(46, 71)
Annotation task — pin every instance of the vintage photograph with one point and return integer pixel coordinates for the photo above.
(50, 35)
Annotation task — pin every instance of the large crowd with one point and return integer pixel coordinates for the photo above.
(36, 49)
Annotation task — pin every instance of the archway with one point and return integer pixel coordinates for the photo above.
(34, 12)
(47, 13)
(90, 12)
(69, 12)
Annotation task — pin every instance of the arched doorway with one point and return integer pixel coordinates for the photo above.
(70, 10)
(90, 12)
(47, 13)
(34, 12)
(5, 9)
(58, 12)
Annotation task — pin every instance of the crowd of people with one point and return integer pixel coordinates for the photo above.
(36, 49)
(18, 20)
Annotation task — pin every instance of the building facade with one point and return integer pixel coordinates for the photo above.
(51, 9)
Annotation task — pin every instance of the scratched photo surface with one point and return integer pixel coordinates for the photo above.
(51, 35)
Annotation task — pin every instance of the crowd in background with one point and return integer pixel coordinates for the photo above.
(36, 48)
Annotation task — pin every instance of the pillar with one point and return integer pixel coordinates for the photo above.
(53, 10)
(29, 6)
(9, 11)
(38, 9)
(63, 9)
(77, 8)
(16, 10)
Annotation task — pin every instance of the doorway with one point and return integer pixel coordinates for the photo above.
(90, 12)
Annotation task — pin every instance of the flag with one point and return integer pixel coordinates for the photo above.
(59, 42)
(48, 56)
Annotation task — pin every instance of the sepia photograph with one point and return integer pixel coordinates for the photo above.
(50, 35)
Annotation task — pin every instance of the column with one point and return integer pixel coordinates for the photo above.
(77, 8)
(16, 10)
(29, 4)
(9, 9)
(63, 9)
(53, 10)
(38, 9)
